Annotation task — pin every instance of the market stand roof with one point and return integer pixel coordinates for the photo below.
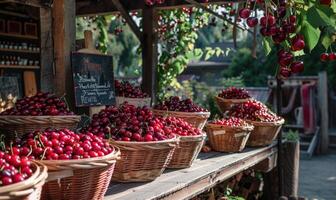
(90, 7)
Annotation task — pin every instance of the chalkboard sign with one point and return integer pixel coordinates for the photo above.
(93, 79)
(9, 85)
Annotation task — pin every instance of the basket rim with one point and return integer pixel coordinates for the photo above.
(39, 174)
(248, 127)
(176, 138)
(147, 98)
(237, 100)
(203, 135)
(39, 117)
(113, 155)
(278, 122)
(180, 112)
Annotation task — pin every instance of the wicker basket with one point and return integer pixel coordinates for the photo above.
(226, 104)
(264, 132)
(228, 139)
(197, 119)
(29, 189)
(143, 161)
(90, 180)
(20, 125)
(187, 151)
(138, 102)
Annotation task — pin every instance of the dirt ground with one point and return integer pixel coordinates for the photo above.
(318, 177)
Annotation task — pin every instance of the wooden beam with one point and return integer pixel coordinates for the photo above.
(204, 7)
(35, 3)
(47, 50)
(64, 42)
(323, 106)
(149, 51)
(128, 19)
(87, 7)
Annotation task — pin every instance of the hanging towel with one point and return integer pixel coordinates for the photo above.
(309, 108)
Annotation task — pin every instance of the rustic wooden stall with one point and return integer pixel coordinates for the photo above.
(57, 24)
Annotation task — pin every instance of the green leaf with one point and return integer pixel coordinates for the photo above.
(267, 45)
(311, 35)
(298, 53)
(326, 41)
(320, 16)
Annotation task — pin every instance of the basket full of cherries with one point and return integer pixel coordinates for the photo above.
(231, 96)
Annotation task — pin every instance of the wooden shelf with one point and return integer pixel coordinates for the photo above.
(19, 51)
(19, 36)
(207, 171)
(19, 67)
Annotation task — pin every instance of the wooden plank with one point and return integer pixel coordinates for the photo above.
(19, 51)
(128, 19)
(35, 3)
(149, 52)
(30, 85)
(19, 36)
(291, 168)
(47, 51)
(323, 106)
(64, 44)
(19, 67)
(207, 171)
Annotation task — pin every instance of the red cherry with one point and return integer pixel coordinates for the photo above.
(325, 2)
(286, 60)
(292, 19)
(298, 44)
(148, 138)
(297, 67)
(332, 56)
(284, 72)
(126, 139)
(263, 21)
(6, 181)
(324, 57)
(271, 20)
(252, 21)
(18, 178)
(244, 13)
(160, 1)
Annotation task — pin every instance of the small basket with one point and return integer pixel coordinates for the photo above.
(196, 119)
(264, 132)
(138, 102)
(90, 178)
(11, 125)
(226, 104)
(143, 161)
(228, 139)
(187, 151)
(29, 189)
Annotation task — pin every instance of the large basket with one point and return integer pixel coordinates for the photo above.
(197, 119)
(138, 102)
(29, 189)
(226, 104)
(12, 125)
(143, 161)
(187, 151)
(89, 180)
(228, 139)
(264, 133)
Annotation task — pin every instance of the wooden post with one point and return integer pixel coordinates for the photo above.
(323, 106)
(64, 31)
(47, 57)
(149, 51)
(291, 168)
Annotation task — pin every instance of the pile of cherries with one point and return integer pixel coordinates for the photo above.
(128, 123)
(176, 104)
(231, 122)
(126, 89)
(62, 144)
(279, 26)
(234, 93)
(39, 105)
(253, 110)
(180, 127)
(14, 167)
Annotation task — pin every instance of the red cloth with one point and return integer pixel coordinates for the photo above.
(308, 106)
